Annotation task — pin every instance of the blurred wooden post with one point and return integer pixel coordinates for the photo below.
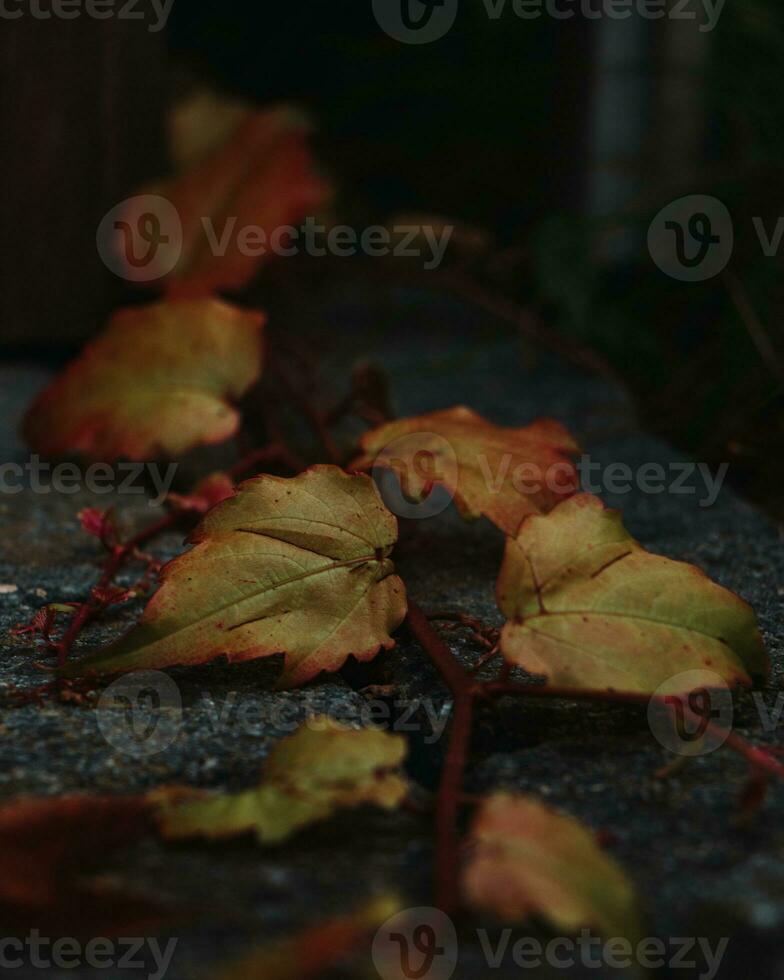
(648, 119)
(81, 115)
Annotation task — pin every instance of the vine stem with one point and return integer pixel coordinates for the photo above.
(465, 691)
(447, 868)
(511, 689)
(457, 680)
(117, 558)
(274, 453)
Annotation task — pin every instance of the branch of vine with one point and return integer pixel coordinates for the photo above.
(466, 691)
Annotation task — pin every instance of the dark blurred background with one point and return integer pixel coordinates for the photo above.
(551, 143)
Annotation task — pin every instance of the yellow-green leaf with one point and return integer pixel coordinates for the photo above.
(501, 473)
(589, 607)
(526, 860)
(160, 380)
(295, 566)
(322, 768)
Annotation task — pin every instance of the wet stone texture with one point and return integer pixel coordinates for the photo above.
(698, 872)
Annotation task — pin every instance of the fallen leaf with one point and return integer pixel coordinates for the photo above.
(295, 566)
(589, 607)
(525, 859)
(47, 847)
(322, 768)
(308, 954)
(160, 380)
(202, 122)
(233, 196)
(501, 473)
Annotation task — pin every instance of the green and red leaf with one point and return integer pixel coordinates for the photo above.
(526, 859)
(589, 607)
(245, 169)
(296, 566)
(490, 470)
(160, 380)
(324, 767)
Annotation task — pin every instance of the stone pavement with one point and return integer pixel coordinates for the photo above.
(698, 873)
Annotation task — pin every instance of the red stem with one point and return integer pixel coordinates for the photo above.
(457, 680)
(115, 562)
(510, 688)
(448, 800)
(274, 453)
(465, 691)
(758, 758)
